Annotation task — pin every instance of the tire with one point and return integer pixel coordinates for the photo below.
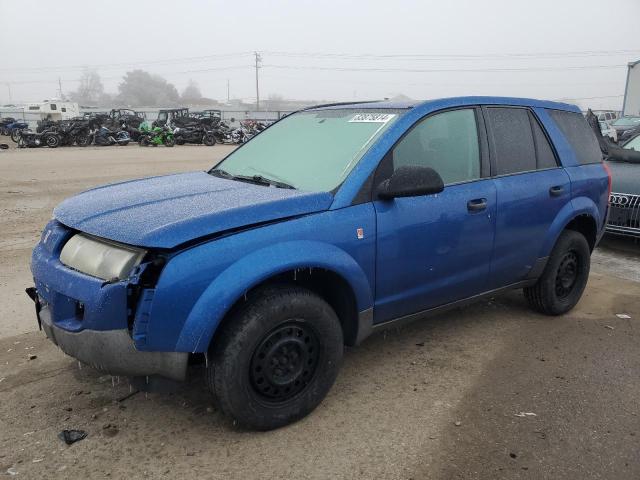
(179, 141)
(124, 144)
(288, 323)
(169, 142)
(15, 135)
(564, 278)
(209, 140)
(83, 140)
(52, 141)
(144, 141)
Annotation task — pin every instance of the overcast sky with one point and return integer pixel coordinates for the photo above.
(327, 49)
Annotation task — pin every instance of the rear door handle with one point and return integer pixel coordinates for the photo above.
(556, 190)
(477, 204)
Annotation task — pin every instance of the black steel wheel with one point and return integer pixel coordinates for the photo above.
(564, 278)
(285, 362)
(275, 357)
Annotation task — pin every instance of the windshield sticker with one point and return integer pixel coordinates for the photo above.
(372, 117)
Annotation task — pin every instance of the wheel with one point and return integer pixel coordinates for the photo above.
(180, 141)
(169, 142)
(564, 278)
(124, 144)
(52, 141)
(275, 358)
(15, 135)
(209, 140)
(83, 140)
(144, 141)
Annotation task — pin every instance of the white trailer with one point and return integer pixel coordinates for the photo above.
(51, 110)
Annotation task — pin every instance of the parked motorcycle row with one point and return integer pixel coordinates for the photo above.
(120, 127)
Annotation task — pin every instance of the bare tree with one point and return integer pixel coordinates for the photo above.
(191, 93)
(90, 90)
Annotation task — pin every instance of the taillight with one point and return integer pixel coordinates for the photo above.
(608, 170)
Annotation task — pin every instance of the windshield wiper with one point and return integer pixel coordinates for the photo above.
(257, 179)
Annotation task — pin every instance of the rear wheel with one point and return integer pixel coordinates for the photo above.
(565, 276)
(52, 141)
(276, 357)
(144, 141)
(83, 140)
(209, 140)
(169, 142)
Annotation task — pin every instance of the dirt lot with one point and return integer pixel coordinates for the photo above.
(437, 399)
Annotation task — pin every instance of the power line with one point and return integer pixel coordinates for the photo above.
(441, 70)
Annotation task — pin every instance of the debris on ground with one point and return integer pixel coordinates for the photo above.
(622, 315)
(72, 436)
(609, 327)
(526, 414)
(458, 423)
(110, 430)
(32, 356)
(11, 471)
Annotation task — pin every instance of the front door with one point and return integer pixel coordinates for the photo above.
(435, 249)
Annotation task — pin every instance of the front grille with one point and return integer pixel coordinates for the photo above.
(624, 212)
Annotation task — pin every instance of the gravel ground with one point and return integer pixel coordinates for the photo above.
(435, 400)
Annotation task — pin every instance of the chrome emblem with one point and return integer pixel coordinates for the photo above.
(619, 200)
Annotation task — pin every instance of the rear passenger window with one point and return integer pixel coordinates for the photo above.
(512, 140)
(544, 152)
(576, 130)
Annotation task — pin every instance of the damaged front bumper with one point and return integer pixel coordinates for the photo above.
(88, 318)
(111, 351)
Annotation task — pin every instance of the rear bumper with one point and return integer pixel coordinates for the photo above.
(112, 351)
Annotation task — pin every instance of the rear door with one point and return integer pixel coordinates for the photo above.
(531, 190)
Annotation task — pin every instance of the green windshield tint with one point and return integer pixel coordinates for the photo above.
(313, 150)
(634, 144)
(627, 121)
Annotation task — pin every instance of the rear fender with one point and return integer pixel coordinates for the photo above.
(578, 206)
(255, 268)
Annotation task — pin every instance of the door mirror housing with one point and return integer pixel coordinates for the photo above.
(411, 181)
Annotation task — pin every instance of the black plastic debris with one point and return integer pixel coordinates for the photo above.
(72, 436)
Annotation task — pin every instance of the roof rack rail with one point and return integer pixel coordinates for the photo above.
(337, 104)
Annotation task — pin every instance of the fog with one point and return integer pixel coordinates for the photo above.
(574, 50)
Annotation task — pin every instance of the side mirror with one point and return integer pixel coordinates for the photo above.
(411, 181)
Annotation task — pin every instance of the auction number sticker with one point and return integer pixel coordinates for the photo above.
(372, 117)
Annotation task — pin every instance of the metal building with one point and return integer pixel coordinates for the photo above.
(631, 103)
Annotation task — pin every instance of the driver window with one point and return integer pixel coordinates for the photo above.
(446, 142)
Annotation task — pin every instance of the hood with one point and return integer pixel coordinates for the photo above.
(625, 177)
(166, 211)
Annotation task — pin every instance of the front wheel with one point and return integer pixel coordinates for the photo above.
(565, 276)
(169, 142)
(52, 141)
(144, 141)
(276, 357)
(209, 140)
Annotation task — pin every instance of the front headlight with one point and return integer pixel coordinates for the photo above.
(99, 258)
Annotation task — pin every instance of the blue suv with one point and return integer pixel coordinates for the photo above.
(333, 223)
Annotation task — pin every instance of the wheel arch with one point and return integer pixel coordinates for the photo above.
(581, 215)
(323, 268)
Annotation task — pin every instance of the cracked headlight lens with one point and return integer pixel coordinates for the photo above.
(100, 258)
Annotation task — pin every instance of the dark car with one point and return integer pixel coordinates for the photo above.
(626, 128)
(624, 214)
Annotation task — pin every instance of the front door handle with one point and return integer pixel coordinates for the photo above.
(477, 204)
(556, 190)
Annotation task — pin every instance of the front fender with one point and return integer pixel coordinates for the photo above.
(251, 270)
(576, 207)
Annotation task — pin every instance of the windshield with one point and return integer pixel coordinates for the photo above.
(627, 121)
(634, 143)
(310, 150)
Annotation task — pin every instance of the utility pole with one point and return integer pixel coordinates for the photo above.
(60, 87)
(258, 61)
(9, 88)
(228, 99)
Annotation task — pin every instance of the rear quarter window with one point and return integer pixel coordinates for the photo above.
(582, 139)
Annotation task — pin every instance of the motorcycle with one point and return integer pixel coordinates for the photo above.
(157, 136)
(28, 139)
(73, 132)
(3, 124)
(15, 128)
(104, 137)
(226, 135)
(194, 134)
